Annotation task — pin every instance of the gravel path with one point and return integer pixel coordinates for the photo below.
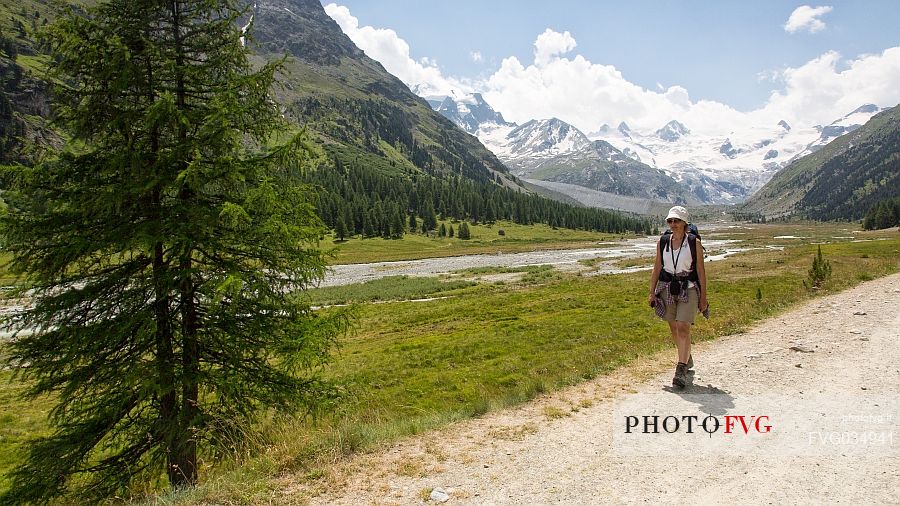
(571, 447)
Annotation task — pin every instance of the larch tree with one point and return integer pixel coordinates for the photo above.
(164, 248)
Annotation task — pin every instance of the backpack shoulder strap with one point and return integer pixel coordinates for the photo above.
(664, 242)
(692, 242)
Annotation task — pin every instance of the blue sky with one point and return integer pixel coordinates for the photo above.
(730, 52)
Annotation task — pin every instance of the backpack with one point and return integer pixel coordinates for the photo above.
(692, 235)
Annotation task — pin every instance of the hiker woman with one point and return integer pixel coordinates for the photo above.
(678, 286)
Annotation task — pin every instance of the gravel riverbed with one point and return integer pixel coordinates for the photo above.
(567, 259)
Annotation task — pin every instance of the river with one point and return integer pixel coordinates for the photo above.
(565, 259)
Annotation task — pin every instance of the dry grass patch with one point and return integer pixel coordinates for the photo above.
(513, 433)
(413, 467)
(553, 412)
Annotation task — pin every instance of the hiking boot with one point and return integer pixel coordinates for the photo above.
(690, 364)
(680, 378)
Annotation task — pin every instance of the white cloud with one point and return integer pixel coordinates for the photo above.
(770, 75)
(551, 44)
(818, 92)
(588, 94)
(385, 46)
(476, 56)
(807, 18)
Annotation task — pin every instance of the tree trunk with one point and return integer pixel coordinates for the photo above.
(165, 359)
(184, 452)
(165, 354)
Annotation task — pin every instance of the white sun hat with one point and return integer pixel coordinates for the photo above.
(680, 213)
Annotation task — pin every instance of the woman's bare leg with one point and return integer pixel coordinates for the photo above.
(681, 334)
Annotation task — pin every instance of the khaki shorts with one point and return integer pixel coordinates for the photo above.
(683, 311)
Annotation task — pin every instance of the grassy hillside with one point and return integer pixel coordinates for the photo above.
(345, 96)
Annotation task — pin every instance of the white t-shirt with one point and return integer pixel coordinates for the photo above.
(682, 256)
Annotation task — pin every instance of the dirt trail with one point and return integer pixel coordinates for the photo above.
(562, 448)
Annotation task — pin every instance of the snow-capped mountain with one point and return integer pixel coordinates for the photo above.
(542, 139)
(470, 112)
(554, 151)
(672, 131)
(719, 169)
(729, 168)
(697, 168)
(606, 131)
(837, 128)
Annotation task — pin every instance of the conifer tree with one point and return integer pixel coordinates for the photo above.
(450, 232)
(490, 215)
(442, 231)
(820, 270)
(396, 224)
(340, 228)
(368, 229)
(162, 248)
(429, 219)
(348, 220)
(464, 231)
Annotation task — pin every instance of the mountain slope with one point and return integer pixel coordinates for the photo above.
(381, 133)
(841, 180)
(24, 96)
(332, 87)
(839, 127)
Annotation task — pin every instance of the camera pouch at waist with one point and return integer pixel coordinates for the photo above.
(668, 277)
(677, 284)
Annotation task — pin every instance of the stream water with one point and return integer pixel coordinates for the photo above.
(567, 259)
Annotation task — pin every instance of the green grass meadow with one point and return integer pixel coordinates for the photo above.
(411, 366)
(386, 289)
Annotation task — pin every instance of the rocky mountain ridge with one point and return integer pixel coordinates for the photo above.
(709, 169)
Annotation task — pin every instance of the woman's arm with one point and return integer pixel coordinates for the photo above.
(701, 274)
(654, 277)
